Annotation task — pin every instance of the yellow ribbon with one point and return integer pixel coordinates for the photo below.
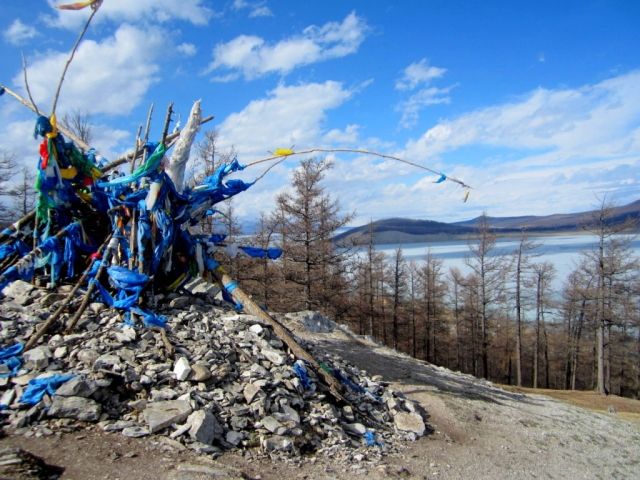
(283, 152)
(54, 127)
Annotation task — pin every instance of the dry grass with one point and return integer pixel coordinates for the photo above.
(627, 408)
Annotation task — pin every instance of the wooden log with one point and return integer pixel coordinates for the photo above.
(250, 306)
(111, 245)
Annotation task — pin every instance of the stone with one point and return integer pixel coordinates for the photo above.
(88, 357)
(277, 443)
(18, 289)
(37, 358)
(252, 391)
(410, 422)
(77, 387)
(357, 428)
(274, 356)
(182, 369)
(107, 362)
(135, 432)
(234, 438)
(273, 425)
(199, 373)
(204, 426)
(119, 425)
(61, 352)
(312, 321)
(51, 298)
(78, 408)
(8, 397)
(180, 303)
(162, 414)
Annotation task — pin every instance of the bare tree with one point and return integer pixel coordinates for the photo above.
(521, 265)
(608, 262)
(308, 219)
(8, 169)
(23, 194)
(544, 273)
(398, 290)
(80, 123)
(490, 272)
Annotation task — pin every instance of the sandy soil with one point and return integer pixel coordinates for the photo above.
(480, 431)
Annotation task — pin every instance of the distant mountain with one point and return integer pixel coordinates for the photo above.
(402, 230)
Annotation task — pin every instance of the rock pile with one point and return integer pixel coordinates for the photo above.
(214, 380)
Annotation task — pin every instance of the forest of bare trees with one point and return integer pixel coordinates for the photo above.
(503, 320)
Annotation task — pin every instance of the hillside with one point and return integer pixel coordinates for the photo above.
(477, 430)
(405, 231)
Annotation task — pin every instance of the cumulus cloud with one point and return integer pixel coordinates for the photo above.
(18, 33)
(420, 74)
(110, 76)
(118, 11)
(290, 115)
(254, 57)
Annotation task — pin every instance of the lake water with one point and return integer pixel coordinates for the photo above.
(564, 251)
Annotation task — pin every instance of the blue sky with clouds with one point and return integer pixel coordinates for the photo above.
(534, 104)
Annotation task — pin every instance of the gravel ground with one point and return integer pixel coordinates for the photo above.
(479, 431)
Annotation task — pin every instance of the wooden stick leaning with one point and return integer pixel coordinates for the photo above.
(111, 245)
(250, 306)
(46, 325)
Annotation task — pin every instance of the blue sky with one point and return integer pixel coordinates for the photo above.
(534, 104)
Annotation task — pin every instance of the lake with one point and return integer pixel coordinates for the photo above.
(563, 251)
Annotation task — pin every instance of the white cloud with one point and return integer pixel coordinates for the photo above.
(19, 33)
(261, 12)
(291, 115)
(252, 56)
(110, 76)
(118, 11)
(188, 49)
(418, 73)
(258, 9)
(425, 97)
(599, 120)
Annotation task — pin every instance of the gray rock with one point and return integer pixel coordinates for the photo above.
(77, 387)
(162, 414)
(252, 391)
(274, 356)
(51, 298)
(37, 358)
(78, 408)
(356, 428)
(119, 425)
(88, 357)
(234, 438)
(18, 289)
(204, 426)
(182, 369)
(135, 432)
(107, 362)
(313, 321)
(199, 373)
(273, 425)
(410, 422)
(180, 303)
(277, 443)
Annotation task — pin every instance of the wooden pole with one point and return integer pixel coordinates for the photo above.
(112, 245)
(250, 306)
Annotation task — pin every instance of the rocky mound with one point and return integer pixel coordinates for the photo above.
(214, 380)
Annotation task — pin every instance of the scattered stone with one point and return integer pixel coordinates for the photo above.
(162, 414)
(79, 408)
(135, 432)
(410, 422)
(204, 426)
(182, 369)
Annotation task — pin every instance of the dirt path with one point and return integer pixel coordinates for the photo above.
(479, 432)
